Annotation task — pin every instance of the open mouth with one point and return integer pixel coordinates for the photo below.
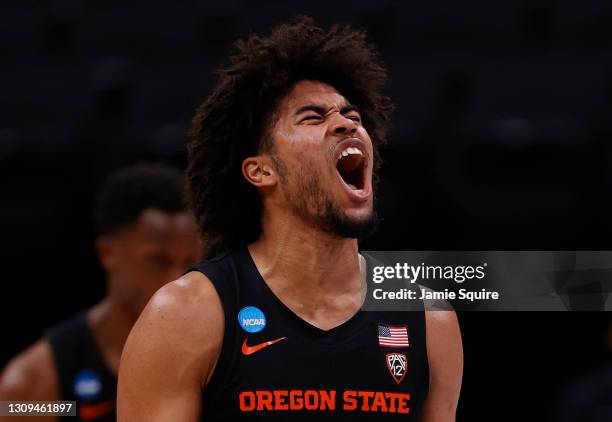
(351, 167)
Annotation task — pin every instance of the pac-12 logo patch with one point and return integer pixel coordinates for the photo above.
(251, 319)
(398, 365)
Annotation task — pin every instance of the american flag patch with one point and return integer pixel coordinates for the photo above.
(392, 336)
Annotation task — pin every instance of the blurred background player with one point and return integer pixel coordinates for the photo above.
(145, 238)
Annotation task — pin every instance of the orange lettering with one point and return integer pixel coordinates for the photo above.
(366, 401)
(350, 403)
(392, 397)
(366, 395)
(403, 403)
(243, 401)
(379, 402)
(311, 400)
(279, 400)
(296, 402)
(264, 398)
(328, 399)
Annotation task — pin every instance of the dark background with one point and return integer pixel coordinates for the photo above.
(500, 142)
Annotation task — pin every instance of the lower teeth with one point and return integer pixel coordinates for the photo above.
(352, 186)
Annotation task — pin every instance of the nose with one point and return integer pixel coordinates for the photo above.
(342, 125)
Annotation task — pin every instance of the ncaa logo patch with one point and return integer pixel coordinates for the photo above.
(87, 385)
(251, 319)
(398, 365)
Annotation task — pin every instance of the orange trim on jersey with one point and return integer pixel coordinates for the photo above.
(89, 412)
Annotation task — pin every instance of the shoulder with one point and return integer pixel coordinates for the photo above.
(31, 375)
(182, 322)
(188, 308)
(186, 295)
(192, 295)
(442, 325)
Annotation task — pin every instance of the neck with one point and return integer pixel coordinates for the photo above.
(326, 263)
(110, 324)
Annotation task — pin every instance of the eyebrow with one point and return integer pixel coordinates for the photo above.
(317, 108)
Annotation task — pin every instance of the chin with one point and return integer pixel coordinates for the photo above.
(360, 214)
(354, 224)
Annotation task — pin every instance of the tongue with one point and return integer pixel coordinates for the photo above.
(349, 163)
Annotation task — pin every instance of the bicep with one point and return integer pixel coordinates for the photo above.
(166, 357)
(150, 385)
(445, 355)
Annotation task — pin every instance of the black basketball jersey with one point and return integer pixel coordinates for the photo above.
(83, 374)
(276, 366)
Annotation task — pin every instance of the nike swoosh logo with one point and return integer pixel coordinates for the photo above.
(89, 412)
(249, 350)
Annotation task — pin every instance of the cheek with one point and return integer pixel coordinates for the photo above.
(303, 154)
(366, 138)
(308, 156)
(308, 171)
(142, 274)
(125, 264)
(300, 138)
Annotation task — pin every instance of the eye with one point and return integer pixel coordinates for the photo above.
(354, 117)
(312, 116)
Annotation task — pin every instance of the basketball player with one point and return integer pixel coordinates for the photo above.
(146, 238)
(282, 159)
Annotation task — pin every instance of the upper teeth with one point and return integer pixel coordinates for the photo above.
(349, 151)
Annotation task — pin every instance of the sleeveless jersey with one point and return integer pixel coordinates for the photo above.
(83, 374)
(275, 366)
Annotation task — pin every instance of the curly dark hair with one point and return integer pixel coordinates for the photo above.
(127, 192)
(233, 122)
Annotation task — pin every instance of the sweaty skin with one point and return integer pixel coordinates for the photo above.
(173, 349)
(139, 258)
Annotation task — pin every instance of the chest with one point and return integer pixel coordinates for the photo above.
(290, 365)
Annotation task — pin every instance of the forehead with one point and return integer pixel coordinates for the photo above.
(160, 226)
(311, 92)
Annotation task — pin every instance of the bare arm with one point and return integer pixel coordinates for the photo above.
(171, 353)
(31, 375)
(445, 355)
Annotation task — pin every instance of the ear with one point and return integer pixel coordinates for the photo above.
(259, 171)
(106, 250)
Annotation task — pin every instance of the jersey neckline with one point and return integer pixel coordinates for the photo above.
(346, 328)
